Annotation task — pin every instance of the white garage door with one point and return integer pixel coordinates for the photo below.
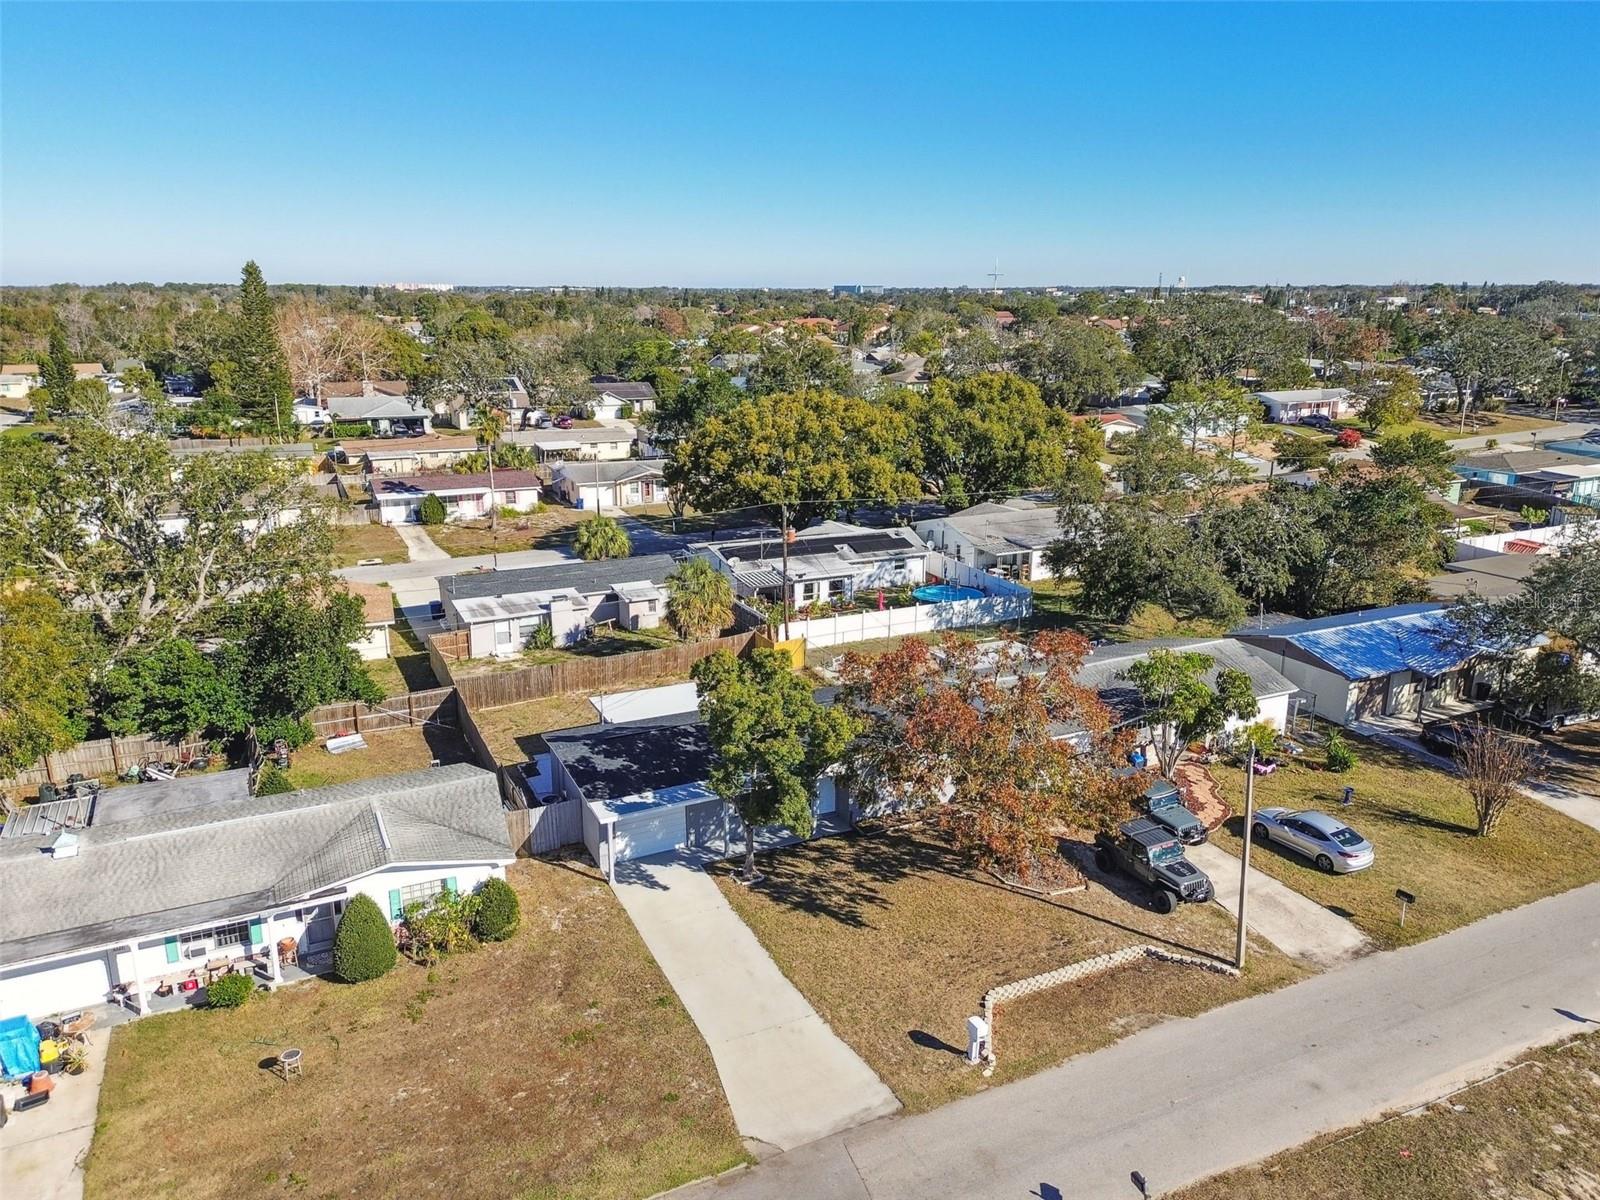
(650, 833)
(47, 990)
(827, 797)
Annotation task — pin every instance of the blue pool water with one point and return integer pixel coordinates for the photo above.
(1591, 449)
(940, 593)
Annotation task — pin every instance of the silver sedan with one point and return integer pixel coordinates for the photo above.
(1325, 840)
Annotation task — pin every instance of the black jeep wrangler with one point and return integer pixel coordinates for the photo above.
(1151, 854)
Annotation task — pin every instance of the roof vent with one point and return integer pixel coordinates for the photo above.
(65, 845)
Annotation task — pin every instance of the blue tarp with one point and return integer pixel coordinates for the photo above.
(19, 1046)
(1424, 642)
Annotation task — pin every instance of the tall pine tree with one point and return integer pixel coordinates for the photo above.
(56, 374)
(260, 383)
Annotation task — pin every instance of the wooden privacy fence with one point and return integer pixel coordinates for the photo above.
(546, 828)
(496, 689)
(105, 756)
(435, 706)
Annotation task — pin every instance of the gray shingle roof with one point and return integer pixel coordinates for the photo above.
(1007, 528)
(612, 762)
(585, 577)
(625, 391)
(186, 866)
(608, 472)
(1102, 667)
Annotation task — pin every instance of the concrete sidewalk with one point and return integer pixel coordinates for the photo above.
(788, 1077)
(1301, 928)
(1189, 1098)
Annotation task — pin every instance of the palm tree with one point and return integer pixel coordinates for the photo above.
(699, 600)
(489, 423)
(601, 537)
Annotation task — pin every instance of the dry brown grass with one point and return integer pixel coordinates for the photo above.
(512, 732)
(352, 543)
(557, 1064)
(387, 753)
(1421, 822)
(895, 943)
(551, 526)
(1534, 1131)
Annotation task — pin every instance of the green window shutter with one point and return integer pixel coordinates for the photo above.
(450, 886)
(172, 949)
(396, 909)
(257, 933)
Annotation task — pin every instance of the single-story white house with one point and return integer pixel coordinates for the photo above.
(377, 603)
(18, 379)
(1103, 668)
(1399, 661)
(612, 398)
(597, 485)
(384, 404)
(501, 610)
(828, 561)
(409, 456)
(1288, 407)
(642, 785)
(399, 500)
(153, 886)
(1005, 537)
(603, 443)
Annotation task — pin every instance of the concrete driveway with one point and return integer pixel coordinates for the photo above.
(1299, 927)
(42, 1150)
(788, 1077)
(419, 546)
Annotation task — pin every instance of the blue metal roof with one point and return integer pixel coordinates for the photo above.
(1369, 646)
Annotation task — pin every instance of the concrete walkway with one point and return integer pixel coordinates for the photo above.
(419, 546)
(788, 1077)
(1189, 1098)
(1301, 928)
(42, 1150)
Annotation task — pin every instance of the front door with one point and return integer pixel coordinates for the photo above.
(321, 921)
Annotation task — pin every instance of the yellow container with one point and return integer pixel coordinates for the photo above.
(49, 1050)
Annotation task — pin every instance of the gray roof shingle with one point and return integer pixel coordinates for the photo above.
(584, 577)
(175, 867)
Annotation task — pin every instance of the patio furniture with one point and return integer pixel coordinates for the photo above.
(78, 1030)
(216, 967)
(288, 1063)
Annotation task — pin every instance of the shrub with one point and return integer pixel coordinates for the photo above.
(230, 991)
(1348, 438)
(295, 732)
(431, 510)
(273, 781)
(601, 537)
(498, 912)
(1340, 757)
(543, 637)
(1260, 735)
(363, 945)
(441, 926)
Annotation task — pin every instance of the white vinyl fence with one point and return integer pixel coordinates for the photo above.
(1002, 601)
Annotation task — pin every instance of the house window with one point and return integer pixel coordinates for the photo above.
(508, 497)
(649, 606)
(525, 631)
(899, 564)
(233, 933)
(420, 893)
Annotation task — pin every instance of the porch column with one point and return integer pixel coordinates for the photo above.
(138, 979)
(272, 949)
(611, 851)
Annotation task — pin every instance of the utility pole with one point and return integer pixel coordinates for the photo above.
(1244, 859)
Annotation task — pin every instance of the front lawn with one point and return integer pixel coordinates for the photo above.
(1421, 821)
(387, 753)
(895, 942)
(556, 1064)
(1534, 1131)
(352, 543)
(512, 731)
(550, 527)
(1479, 424)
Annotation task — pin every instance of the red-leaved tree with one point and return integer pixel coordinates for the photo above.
(998, 745)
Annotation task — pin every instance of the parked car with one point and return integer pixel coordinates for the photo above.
(1145, 851)
(1164, 802)
(1539, 719)
(563, 422)
(1317, 421)
(1325, 840)
(1447, 737)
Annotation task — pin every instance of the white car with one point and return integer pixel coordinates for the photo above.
(1325, 840)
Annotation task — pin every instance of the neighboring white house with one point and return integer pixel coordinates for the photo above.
(1287, 408)
(596, 485)
(17, 380)
(384, 404)
(154, 882)
(1102, 670)
(603, 443)
(1006, 537)
(829, 561)
(612, 398)
(643, 788)
(377, 604)
(1399, 661)
(399, 500)
(503, 610)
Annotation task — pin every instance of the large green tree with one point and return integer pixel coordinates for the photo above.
(45, 659)
(699, 600)
(798, 456)
(1074, 364)
(259, 383)
(1426, 456)
(986, 436)
(1216, 337)
(797, 361)
(1178, 704)
(772, 738)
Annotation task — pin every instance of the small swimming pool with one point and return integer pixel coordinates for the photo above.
(941, 593)
(1579, 446)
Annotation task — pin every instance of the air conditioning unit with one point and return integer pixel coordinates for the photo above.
(198, 950)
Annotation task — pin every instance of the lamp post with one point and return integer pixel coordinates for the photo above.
(1244, 859)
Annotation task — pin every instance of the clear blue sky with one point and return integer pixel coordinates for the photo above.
(795, 146)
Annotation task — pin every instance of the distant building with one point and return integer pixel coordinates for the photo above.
(1006, 537)
(1548, 473)
(858, 289)
(1288, 407)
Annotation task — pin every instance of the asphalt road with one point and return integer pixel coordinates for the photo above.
(1189, 1098)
